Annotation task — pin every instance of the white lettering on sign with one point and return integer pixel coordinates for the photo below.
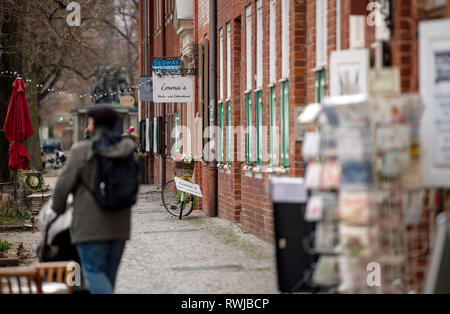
(188, 187)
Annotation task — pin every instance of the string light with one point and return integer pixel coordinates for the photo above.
(10, 73)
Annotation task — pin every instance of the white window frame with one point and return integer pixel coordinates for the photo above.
(357, 31)
(228, 28)
(259, 45)
(321, 33)
(273, 42)
(285, 39)
(221, 60)
(249, 50)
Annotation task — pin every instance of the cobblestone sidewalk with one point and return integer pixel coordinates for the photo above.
(197, 255)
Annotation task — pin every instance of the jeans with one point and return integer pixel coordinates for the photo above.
(99, 263)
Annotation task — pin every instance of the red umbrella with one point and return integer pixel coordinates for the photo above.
(18, 127)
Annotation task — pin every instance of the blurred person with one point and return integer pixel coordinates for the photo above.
(101, 210)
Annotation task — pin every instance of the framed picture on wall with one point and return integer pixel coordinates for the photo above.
(434, 47)
(349, 72)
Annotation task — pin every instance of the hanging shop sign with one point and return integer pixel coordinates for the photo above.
(127, 101)
(435, 92)
(173, 89)
(146, 88)
(166, 66)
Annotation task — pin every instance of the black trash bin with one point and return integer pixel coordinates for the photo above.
(294, 263)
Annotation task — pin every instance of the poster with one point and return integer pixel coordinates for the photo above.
(146, 88)
(434, 85)
(442, 108)
(349, 72)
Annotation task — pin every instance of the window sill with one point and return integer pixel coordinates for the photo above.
(320, 68)
(281, 170)
(283, 80)
(271, 85)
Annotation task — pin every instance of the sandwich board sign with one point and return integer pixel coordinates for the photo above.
(188, 187)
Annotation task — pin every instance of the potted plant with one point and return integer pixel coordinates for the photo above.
(184, 165)
(4, 248)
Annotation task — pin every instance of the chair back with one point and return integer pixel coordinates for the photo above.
(55, 272)
(20, 280)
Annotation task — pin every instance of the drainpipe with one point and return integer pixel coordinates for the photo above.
(163, 106)
(213, 108)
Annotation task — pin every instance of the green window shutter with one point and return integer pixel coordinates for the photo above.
(273, 125)
(228, 131)
(248, 108)
(320, 86)
(285, 123)
(221, 132)
(259, 124)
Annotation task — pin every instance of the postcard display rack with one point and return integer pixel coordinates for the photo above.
(363, 175)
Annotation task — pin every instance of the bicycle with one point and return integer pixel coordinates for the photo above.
(176, 202)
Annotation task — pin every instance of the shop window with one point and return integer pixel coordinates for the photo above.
(249, 50)
(285, 38)
(259, 45)
(321, 32)
(228, 57)
(272, 41)
(221, 60)
(284, 97)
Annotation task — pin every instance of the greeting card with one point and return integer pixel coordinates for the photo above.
(356, 241)
(330, 207)
(355, 207)
(357, 174)
(313, 176)
(326, 272)
(314, 209)
(311, 145)
(326, 237)
(331, 175)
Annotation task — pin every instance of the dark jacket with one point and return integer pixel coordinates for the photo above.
(91, 223)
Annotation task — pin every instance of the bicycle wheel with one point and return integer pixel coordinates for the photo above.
(171, 199)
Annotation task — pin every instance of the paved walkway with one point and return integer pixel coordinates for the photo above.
(197, 255)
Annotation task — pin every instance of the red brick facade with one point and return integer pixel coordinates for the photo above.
(243, 195)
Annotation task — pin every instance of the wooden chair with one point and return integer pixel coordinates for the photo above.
(55, 272)
(20, 280)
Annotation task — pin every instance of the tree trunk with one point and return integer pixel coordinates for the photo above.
(33, 144)
(10, 60)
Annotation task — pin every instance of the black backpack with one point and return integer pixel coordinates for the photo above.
(116, 183)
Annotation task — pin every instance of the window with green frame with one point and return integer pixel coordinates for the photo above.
(228, 110)
(248, 109)
(284, 97)
(221, 132)
(320, 87)
(259, 124)
(273, 126)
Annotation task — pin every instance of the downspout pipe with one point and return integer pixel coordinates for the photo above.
(163, 106)
(213, 108)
